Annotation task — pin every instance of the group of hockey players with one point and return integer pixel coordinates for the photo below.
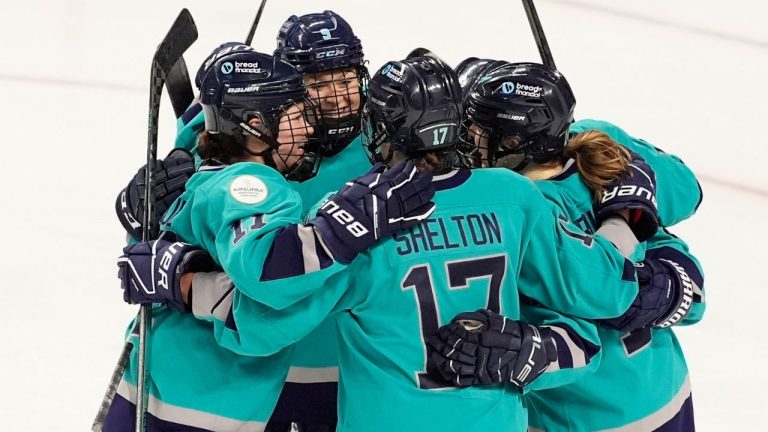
(423, 249)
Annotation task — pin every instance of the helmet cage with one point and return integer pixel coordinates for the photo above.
(340, 99)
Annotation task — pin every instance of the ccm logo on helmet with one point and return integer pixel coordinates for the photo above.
(330, 53)
(344, 218)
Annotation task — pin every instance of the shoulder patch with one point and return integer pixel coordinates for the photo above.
(248, 189)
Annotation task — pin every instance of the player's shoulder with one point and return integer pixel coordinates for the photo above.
(502, 180)
(245, 184)
(604, 126)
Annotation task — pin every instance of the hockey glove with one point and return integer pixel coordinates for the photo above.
(664, 298)
(636, 193)
(485, 348)
(171, 174)
(150, 272)
(372, 207)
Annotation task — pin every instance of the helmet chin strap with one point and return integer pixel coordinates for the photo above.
(271, 142)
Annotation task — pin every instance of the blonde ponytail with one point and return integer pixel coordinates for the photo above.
(599, 159)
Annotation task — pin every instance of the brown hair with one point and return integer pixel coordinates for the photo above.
(222, 147)
(599, 159)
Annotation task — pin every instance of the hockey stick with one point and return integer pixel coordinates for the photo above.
(538, 34)
(179, 87)
(249, 38)
(182, 34)
(178, 84)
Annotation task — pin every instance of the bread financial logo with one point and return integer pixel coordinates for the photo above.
(248, 189)
(508, 87)
(226, 68)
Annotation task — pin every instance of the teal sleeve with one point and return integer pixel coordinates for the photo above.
(248, 217)
(570, 271)
(665, 245)
(267, 330)
(578, 347)
(678, 192)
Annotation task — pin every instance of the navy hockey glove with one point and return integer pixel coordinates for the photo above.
(664, 298)
(372, 207)
(150, 272)
(485, 348)
(171, 174)
(636, 193)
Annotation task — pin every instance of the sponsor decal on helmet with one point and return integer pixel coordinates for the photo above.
(392, 73)
(528, 90)
(226, 68)
(248, 189)
(508, 87)
(247, 67)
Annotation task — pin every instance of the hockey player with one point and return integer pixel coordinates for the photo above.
(519, 117)
(476, 249)
(240, 207)
(324, 48)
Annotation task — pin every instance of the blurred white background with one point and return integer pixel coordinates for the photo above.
(688, 76)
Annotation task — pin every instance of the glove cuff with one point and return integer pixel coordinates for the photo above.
(682, 292)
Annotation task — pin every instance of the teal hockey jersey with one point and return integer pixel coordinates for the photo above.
(246, 216)
(314, 358)
(480, 249)
(625, 393)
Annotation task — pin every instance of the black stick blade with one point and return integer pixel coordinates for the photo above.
(179, 87)
(182, 35)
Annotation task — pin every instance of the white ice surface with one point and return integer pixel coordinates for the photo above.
(689, 76)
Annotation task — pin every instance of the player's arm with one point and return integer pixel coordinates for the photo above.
(274, 261)
(577, 345)
(678, 192)
(567, 270)
(670, 288)
(541, 350)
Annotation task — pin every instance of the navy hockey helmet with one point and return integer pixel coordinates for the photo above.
(415, 106)
(522, 112)
(324, 48)
(319, 42)
(218, 52)
(471, 68)
(238, 84)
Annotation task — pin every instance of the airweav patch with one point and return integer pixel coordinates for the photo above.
(248, 189)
